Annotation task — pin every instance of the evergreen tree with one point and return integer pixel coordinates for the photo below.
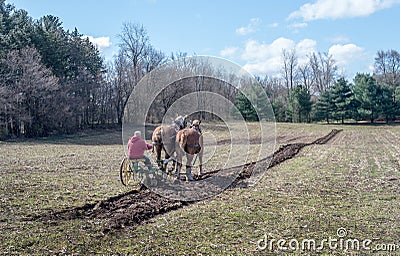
(73, 60)
(300, 104)
(341, 98)
(384, 100)
(366, 93)
(279, 107)
(245, 107)
(253, 103)
(261, 102)
(324, 107)
(387, 75)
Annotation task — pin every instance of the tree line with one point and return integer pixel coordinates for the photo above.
(315, 91)
(54, 81)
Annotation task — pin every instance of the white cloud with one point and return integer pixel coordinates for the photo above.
(298, 25)
(304, 48)
(351, 59)
(255, 50)
(346, 54)
(274, 25)
(264, 58)
(339, 39)
(229, 52)
(335, 9)
(100, 42)
(251, 28)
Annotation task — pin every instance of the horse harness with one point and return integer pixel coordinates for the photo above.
(196, 127)
(196, 144)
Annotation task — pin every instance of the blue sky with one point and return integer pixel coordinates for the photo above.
(249, 33)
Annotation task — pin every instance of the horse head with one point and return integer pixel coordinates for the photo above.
(196, 125)
(181, 122)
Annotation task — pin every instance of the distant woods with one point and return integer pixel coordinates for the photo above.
(54, 81)
(315, 91)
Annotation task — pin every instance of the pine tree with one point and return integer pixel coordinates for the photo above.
(300, 104)
(385, 103)
(324, 107)
(366, 93)
(246, 109)
(341, 98)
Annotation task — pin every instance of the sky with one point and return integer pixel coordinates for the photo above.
(250, 33)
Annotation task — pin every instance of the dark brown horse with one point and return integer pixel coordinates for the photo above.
(163, 138)
(189, 142)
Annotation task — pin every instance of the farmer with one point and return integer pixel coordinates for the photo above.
(136, 148)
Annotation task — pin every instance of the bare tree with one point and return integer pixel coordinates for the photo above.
(106, 95)
(28, 90)
(136, 58)
(306, 77)
(289, 68)
(324, 71)
(121, 79)
(387, 72)
(387, 67)
(135, 44)
(177, 55)
(153, 59)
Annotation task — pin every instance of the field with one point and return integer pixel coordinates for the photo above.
(63, 196)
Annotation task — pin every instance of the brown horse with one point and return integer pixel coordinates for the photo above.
(163, 138)
(189, 142)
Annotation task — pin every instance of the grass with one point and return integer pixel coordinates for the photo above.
(352, 182)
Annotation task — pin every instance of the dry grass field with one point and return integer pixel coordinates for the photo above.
(350, 184)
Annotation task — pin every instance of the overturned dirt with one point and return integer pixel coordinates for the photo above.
(137, 206)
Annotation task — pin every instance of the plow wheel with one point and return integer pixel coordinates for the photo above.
(125, 171)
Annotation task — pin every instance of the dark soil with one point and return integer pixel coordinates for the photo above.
(135, 207)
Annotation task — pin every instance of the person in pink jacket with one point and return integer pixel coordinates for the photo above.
(136, 148)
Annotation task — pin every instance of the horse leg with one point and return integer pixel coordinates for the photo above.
(169, 152)
(201, 155)
(189, 159)
(158, 153)
(178, 163)
(201, 162)
(166, 161)
(173, 167)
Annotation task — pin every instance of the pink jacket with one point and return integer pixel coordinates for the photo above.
(137, 146)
